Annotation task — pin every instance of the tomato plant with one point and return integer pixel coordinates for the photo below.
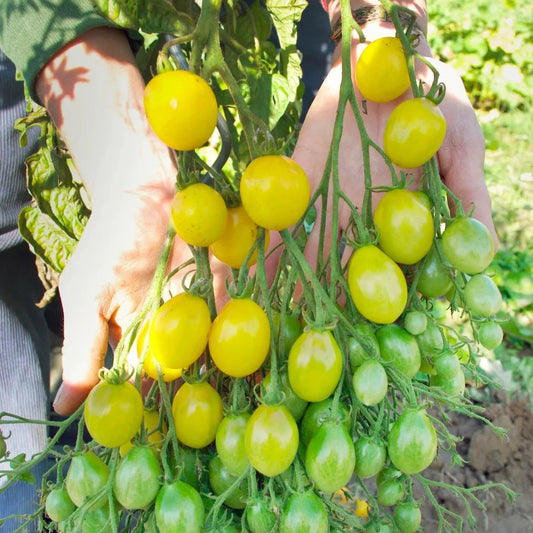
(405, 224)
(291, 400)
(414, 132)
(240, 338)
(315, 365)
(271, 439)
(381, 70)
(412, 441)
(237, 239)
(179, 331)
(370, 456)
(136, 481)
(260, 518)
(363, 345)
(86, 476)
(490, 335)
(433, 278)
(181, 109)
(197, 411)
(230, 442)
(113, 413)
(468, 245)
(317, 413)
(221, 480)
(304, 512)
(482, 296)
(275, 191)
(58, 505)
(330, 457)
(179, 507)
(407, 517)
(370, 382)
(199, 214)
(377, 285)
(399, 348)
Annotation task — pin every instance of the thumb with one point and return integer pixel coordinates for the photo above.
(84, 349)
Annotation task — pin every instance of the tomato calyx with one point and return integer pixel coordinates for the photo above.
(117, 374)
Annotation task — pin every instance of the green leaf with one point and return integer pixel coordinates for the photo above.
(269, 97)
(46, 238)
(151, 16)
(50, 183)
(285, 16)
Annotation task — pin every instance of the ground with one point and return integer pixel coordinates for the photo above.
(491, 458)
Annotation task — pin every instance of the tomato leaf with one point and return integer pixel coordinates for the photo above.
(285, 16)
(45, 237)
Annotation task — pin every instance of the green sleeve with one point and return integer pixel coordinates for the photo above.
(31, 32)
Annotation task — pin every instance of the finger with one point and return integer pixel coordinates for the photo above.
(462, 154)
(84, 349)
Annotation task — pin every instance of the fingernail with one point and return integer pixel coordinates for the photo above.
(58, 396)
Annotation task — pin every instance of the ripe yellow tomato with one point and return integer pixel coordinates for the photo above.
(181, 109)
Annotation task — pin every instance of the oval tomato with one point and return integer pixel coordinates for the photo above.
(490, 335)
(454, 386)
(370, 382)
(482, 296)
(304, 512)
(271, 439)
(148, 361)
(446, 365)
(198, 214)
(377, 285)
(399, 348)
(412, 441)
(433, 279)
(58, 505)
(468, 245)
(240, 338)
(179, 331)
(317, 414)
(407, 517)
(87, 474)
(197, 411)
(230, 442)
(405, 224)
(330, 457)
(179, 507)
(181, 109)
(113, 413)
(275, 191)
(381, 70)
(137, 478)
(221, 479)
(315, 365)
(414, 132)
(390, 492)
(415, 322)
(370, 456)
(239, 236)
(260, 518)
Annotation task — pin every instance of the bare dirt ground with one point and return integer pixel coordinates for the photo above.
(491, 459)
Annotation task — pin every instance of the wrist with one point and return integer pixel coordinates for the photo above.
(371, 12)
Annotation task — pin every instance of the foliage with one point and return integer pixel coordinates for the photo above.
(490, 43)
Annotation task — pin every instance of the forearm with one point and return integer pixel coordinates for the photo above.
(94, 94)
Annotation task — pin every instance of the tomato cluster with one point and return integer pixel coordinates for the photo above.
(258, 413)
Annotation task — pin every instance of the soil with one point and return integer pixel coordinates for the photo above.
(491, 458)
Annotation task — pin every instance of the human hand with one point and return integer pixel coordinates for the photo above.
(94, 93)
(460, 157)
